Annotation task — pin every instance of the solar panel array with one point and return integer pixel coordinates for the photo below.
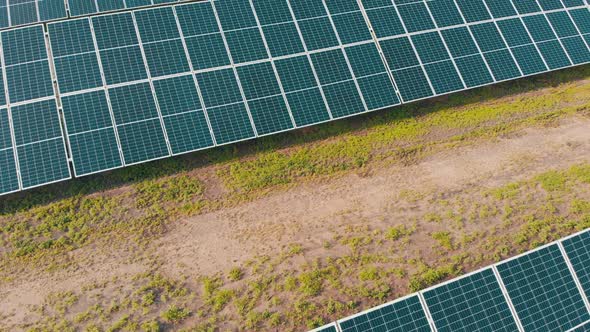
(87, 7)
(21, 12)
(25, 12)
(547, 289)
(145, 84)
(33, 150)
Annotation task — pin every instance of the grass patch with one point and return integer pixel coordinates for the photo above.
(175, 314)
(444, 239)
(508, 191)
(178, 189)
(552, 181)
(429, 276)
(369, 273)
(397, 232)
(235, 274)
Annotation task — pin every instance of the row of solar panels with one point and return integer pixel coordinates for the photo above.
(24, 12)
(545, 290)
(152, 83)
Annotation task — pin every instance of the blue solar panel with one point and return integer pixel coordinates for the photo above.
(543, 291)
(577, 249)
(8, 176)
(25, 12)
(39, 143)
(36, 154)
(473, 303)
(91, 134)
(86, 7)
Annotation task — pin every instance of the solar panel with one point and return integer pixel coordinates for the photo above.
(493, 29)
(180, 78)
(33, 147)
(8, 177)
(40, 145)
(578, 252)
(87, 7)
(405, 315)
(22, 12)
(472, 303)
(543, 291)
(256, 83)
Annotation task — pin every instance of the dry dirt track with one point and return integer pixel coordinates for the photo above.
(306, 214)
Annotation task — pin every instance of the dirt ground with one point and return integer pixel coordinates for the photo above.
(311, 213)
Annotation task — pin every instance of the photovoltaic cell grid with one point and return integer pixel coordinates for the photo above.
(151, 83)
(32, 152)
(472, 303)
(582, 328)
(86, 7)
(25, 12)
(22, 12)
(188, 77)
(578, 251)
(435, 47)
(543, 291)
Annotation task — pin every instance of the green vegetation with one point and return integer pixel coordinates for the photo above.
(506, 192)
(552, 181)
(428, 276)
(369, 273)
(443, 239)
(266, 293)
(175, 314)
(235, 274)
(178, 190)
(397, 232)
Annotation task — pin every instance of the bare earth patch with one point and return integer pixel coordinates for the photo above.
(315, 212)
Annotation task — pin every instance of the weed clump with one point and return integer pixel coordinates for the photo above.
(175, 314)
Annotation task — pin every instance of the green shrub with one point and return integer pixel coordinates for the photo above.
(220, 299)
(151, 326)
(310, 283)
(397, 232)
(148, 298)
(175, 314)
(369, 273)
(235, 274)
(430, 276)
(551, 181)
(506, 192)
(443, 239)
(580, 173)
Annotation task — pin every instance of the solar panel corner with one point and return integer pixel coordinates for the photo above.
(331, 327)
